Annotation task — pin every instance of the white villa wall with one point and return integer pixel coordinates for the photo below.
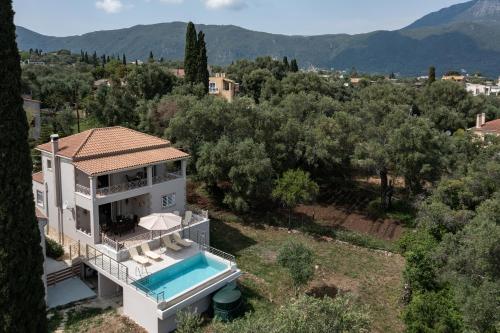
(140, 309)
(40, 187)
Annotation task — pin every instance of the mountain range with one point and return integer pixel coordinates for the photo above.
(464, 36)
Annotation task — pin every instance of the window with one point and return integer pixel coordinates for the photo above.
(49, 164)
(168, 200)
(226, 85)
(212, 88)
(39, 198)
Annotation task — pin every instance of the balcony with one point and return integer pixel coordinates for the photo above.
(126, 181)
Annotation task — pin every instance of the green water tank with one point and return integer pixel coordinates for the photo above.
(227, 303)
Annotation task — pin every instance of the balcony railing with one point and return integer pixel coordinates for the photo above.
(122, 187)
(132, 185)
(167, 177)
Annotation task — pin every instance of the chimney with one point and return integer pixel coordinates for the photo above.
(478, 120)
(54, 139)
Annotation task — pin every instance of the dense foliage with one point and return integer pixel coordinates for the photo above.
(291, 135)
(21, 258)
(298, 260)
(305, 315)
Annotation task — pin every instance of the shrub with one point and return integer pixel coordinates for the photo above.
(188, 322)
(374, 209)
(54, 249)
(298, 259)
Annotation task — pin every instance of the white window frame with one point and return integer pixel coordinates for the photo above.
(39, 194)
(168, 200)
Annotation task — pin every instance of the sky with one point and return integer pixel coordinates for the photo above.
(291, 17)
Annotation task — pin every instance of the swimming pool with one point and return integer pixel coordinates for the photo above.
(181, 276)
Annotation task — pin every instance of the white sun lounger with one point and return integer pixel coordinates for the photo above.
(182, 242)
(147, 251)
(169, 244)
(137, 257)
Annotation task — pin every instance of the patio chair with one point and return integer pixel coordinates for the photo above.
(169, 244)
(147, 251)
(188, 216)
(182, 242)
(137, 257)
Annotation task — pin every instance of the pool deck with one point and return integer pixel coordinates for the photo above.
(168, 258)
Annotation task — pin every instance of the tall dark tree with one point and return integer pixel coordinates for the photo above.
(86, 57)
(286, 64)
(203, 76)
(21, 258)
(432, 74)
(124, 60)
(191, 54)
(294, 67)
(95, 61)
(151, 58)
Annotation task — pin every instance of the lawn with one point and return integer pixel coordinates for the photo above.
(373, 276)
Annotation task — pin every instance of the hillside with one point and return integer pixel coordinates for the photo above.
(464, 36)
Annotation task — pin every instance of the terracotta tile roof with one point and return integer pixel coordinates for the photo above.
(38, 177)
(106, 141)
(136, 159)
(491, 126)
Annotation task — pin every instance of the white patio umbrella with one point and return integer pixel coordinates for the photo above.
(160, 221)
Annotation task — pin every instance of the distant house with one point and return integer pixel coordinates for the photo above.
(221, 86)
(486, 128)
(102, 83)
(179, 72)
(454, 78)
(477, 89)
(33, 114)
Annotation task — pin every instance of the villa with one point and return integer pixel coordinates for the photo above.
(484, 127)
(219, 85)
(96, 189)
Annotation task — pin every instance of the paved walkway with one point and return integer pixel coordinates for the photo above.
(52, 265)
(68, 291)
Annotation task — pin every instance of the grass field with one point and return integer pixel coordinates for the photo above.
(373, 276)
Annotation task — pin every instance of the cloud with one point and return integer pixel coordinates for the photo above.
(225, 4)
(109, 6)
(173, 2)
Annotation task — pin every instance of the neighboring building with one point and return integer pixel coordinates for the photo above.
(477, 89)
(179, 72)
(455, 78)
(33, 114)
(221, 86)
(93, 189)
(102, 83)
(486, 128)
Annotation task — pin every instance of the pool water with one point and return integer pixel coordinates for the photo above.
(181, 276)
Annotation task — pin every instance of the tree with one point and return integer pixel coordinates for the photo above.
(433, 312)
(191, 54)
(305, 315)
(124, 60)
(151, 58)
(21, 257)
(203, 76)
(298, 260)
(294, 67)
(286, 64)
(293, 188)
(432, 75)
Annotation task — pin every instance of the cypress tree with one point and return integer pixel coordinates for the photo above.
(432, 74)
(286, 64)
(293, 66)
(86, 57)
(22, 304)
(151, 57)
(124, 60)
(191, 54)
(95, 62)
(203, 76)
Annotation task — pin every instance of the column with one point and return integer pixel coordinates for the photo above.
(150, 175)
(184, 168)
(94, 212)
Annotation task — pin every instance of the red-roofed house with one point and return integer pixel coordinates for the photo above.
(93, 190)
(484, 127)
